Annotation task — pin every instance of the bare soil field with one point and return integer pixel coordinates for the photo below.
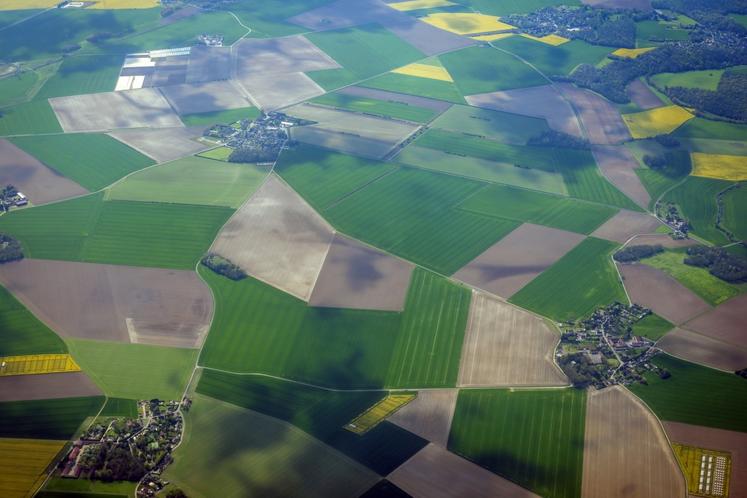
(270, 92)
(164, 144)
(663, 240)
(208, 64)
(642, 96)
(725, 323)
(716, 439)
(47, 386)
(429, 415)
(644, 5)
(625, 224)
(114, 303)
(192, 98)
(290, 54)
(537, 101)
(360, 277)
(350, 144)
(359, 91)
(655, 289)
(626, 453)
(30, 176)
(705, 350)
(278, 238)
(436, 473)
(516, 259)
(600, 119)
(618, 165)
(142, 108)
(506, 346)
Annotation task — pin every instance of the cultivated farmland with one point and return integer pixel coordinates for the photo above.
(724, 323)
(696, 198)
(211, 96)
(657, 121)
(46, 419)
(47, 386)
(375, 107)
(502, 126)
(625, 224)
(79, 75)
(23, 333)
(24, 462)
(165, 144)
(599, 118)
(429, 415)
(32, 117)
(619, 166)
(553, 60)
(704, 350)
(414, 85)
(720, 166)
(642, 96)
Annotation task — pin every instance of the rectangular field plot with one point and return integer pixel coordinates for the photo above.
(383, 108)
(704, 350)
(163, 144)
(707, 471)
(377, 413)
(413, 85)
(46, 419)
(37, 364)
(212, 96)
(502, 126)
(29, 118)
(696, 199)
(626, 224)
(21, 332)
(600, 119)
(47, 386)
(533, 438)
(554, 60)
(83, 74)
(562, 292)
(24, 462)
(429, 415)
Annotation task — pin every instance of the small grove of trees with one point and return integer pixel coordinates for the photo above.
(635, 253)
(719, 262)
(110, 463)
(10, 249)
(553, 138)
(223, 266)
(672, 164)
(729, 100)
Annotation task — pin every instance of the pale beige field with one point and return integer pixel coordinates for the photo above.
(600, 119)
(625, 224)
(626, 453)
(429, 415)
(618, 165)
(466, 23)
(705, 350)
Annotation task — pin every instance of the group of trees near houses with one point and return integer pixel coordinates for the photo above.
(634, 253)
(111, 463)
(10, 249)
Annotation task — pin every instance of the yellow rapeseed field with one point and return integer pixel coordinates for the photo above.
(489, 38)
(27, 4)
(419, 4)
(378, 412)
(23, 462)
(631, 53)
(425, 71)
(553, 40)
(466, 23)
(720, 166)
(37, 364)
(125, 4)
(659, 121)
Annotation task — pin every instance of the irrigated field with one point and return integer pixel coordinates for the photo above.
(24, 462)
(562, 292)
(93, 161)
(46, 419)
(376, 107)
(21, 332)
(534, 438)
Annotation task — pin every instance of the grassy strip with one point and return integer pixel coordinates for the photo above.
(383, 108)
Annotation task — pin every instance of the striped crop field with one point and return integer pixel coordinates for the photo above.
(37, 364)
(24, 462)
(21, 333)
(379, 412)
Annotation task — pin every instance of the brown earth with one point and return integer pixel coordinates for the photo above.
(625, 224)
(360, 277)
(626, 453)
(270, 91)
(47, 386)
(600, 119)
(537, 101)
(726, 323)
(211, 96)
(643, 96)
(663, 240)
(618, 165)
(506, 346)
(429, 415)
(40, 183)
(414, 100)
(114, 303)
(716, 439)
(436, 473)
(516, 259)
(278, 238)
(705, 350)
(162, 145)
(655, 289)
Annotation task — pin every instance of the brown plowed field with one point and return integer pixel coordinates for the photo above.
(165, 144)
(208, 63)
(47, 386)
(537, 101)
(618, 165)
(210, 96)
(506, 346)
(278, 238)
(655, 289)
(414, 100)
(113, 303)
(516, 259)
(626, 453)
(625, 224)
(357, 276)
(600, 119)
(716, 439)
(436, 473)
(40, 183)
(728, 322)
(429, 415)
(699, 348)
(643, 96)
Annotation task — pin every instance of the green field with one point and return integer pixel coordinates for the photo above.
(696, 198)
(117, 232)
(529, 206)
(695, 395)
(29, 118)
(362, 52)
(59, 487)
(267, 18)
(707, 80)
(119, 407)
(506, 7)
(258, 328)
(92, 160)
(554, 60)
(320, 413)
(653, 327)
(481, 169)
(718, 130)
(21, 332)
(47, 418)
(376, 107)
(501, 126)
(735, 205)
(483, 69)
(135, 371)
(534, 438)
(699, 280)
(192, 180)
(413, 85)
(83, 74)
(220, 117)
(244, 453)
(576, 284)
(17, 88)
(652, 33)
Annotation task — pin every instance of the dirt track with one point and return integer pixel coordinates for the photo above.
(47, 386)
(429, 415)
(626, 453)
(618, 165)
(625, 224)
(702, 349)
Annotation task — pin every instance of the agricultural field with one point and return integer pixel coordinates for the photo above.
(119, 407)
(220, 117)
(30, 118)
(24, 462)
(622, 169)
(430, 68)
(505, 7)
(428, 415)
(378, 412)
(163, 144)
(703, 350)
(533, 438)
(719, 166)
(466, 23)
(561, 293)
(47, 386)
(705, 80)
(376, 107)
(501, 126)
(659, 121)
(37, 364)
(735, 203)
(414, 85)
(21, 332)
(626, 224)
(553, 60)
(653, 327)
(83, 74)
(600, 119)
(718, 130)
(632, 53)
(55, 419)
(18, 87)
(696, 199)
